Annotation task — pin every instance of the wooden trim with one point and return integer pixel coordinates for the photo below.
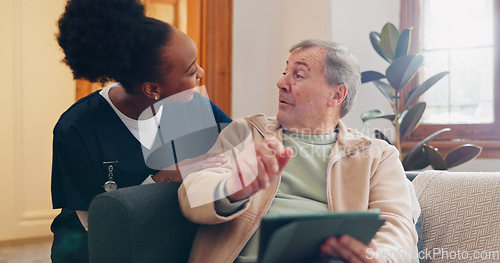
(491, 149)
(459, 131)
(194, 25)
(151, 11)
(203, 39)
(83, 88)
(217, 38)
(484, 135)
(410, 18)
(168, 2)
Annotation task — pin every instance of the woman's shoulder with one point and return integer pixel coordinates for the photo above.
(85, 110)
(220, 115)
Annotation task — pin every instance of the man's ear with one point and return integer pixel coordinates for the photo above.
(339, 94)
(151, 90)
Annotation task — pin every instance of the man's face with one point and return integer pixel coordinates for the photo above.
(304, 93)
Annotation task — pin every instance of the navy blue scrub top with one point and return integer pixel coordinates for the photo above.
(90, 133)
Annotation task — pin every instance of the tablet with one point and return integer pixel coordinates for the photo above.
(297, 238)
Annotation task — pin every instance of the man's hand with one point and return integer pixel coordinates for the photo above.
(257, 167)
(349, 249)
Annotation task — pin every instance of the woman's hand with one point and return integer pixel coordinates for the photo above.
(350, 249)
(176, 172)
(257, 167)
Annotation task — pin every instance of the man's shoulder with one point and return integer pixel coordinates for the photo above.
(382, 148)
(355, 137)
(259, 120)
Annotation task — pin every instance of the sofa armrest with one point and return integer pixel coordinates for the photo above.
(460, 212)
(139, 224)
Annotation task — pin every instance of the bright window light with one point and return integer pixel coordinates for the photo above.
(458, 37)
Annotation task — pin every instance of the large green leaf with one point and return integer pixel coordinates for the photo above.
(411, 119)
(371, 75)
(389, 40)
(375, 114)
(418, 160)
(421, 89)
(402, 70)
(403, 43)
(375, 39)
(385, 88)
(401, 117)
(435, 158)
(417, 150)
(462, 154)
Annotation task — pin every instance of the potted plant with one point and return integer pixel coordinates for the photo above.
(392, 46)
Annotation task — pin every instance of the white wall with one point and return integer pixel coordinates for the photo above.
(352, 22)
(36, 88)
(264, 30)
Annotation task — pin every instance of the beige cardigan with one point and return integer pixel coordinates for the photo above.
(363, 174)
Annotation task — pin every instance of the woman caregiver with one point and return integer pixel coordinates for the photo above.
(122, 135)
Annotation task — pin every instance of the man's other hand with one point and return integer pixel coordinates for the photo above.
(350, 250)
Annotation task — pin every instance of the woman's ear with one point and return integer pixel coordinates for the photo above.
(151, 90)
(338, 96)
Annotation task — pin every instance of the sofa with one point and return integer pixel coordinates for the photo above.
(460, 212)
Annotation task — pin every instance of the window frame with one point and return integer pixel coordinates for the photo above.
(484, 135)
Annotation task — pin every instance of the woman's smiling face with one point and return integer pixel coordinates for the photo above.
(181, 53)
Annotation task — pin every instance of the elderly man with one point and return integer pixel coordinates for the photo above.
(304, 161)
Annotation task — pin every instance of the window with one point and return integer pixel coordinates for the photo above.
(459, 37)
(459, 40)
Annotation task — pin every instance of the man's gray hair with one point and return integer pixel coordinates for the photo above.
(341, 67)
